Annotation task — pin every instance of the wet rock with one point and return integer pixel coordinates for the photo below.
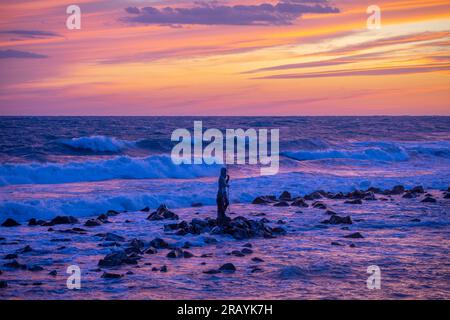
(136, 246)
(415, 220)
(397, 190)
(313, 196)
(281, 204)
(429, 200)
(256, 269)
(107, 275)
(163, 269)
(261, 200)
(3, 284)
(35, 268)
(32, 222)
(227, 267)
(237, 253)
(210, 240)
(375, 190)
(151, 251)
(187, 254)
(25, 249)
(159, 243)
(319, 205)
(418, 189)
(102, 218)
(177, 253)
(335, 219)
(256, 259)
(211, 271)
(409, 195)
(162, 213)
(10, 223)
(146, 209)
(330, 212)
(10, 256)
(370, 196)
(355, 235)
(64, 220)
(15, 265)
(356, 201)
(352, 245)
(334, 243)
(285, 196)
(114, 259)
(109, 244)
(247, 245)
(447, 195)
(299, 202)
(196, 205)
(113, 237)
(111, 213)
(92, 223)
(247, 251)
(53, 273)
(206, 255)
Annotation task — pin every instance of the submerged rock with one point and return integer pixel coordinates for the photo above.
(418, 189)
(319, 205)
(285, 196)
(113, 237)
(118, 258)
(355, 235)
(281, 204)
(335, 219)
(162, 213)
(107, 275)
(53, 273)
(299, 202)
(92, 223)
(159, 243)
(3, 284)
(397, 190)
(10, 223)
(227, 267)
(15, 265)
(357, 201)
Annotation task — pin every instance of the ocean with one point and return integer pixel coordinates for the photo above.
(82, 166)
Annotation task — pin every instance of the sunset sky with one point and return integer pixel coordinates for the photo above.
(237, 57)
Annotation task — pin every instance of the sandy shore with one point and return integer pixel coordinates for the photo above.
(407, 238)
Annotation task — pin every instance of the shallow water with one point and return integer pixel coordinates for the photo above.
(413, 256)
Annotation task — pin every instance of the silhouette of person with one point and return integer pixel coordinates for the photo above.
(222, 197)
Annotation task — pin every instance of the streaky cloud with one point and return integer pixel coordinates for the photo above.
(10, 54)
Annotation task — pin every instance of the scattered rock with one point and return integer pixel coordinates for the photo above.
(151, 251)
(334, 243)
(113, 237)
(247, 251)
(15, 265)
(330, 212)
(335, 219)
(429, 200)
(227, 267)
(25, 249)
(162, 213)
(10, 223)
(64, 220)
(247, 245)
(281, 204)
(118, 258)
(264, 200)
(196, 205)
(299, 202)
(256, 259)
(177, 253)
(159, 243)
(35, 268)
(111, 213)
(53, 273)
(187, 254)
(10, 256)
(285, 196)
(356, 201)
(397, 190)
(211, 271)
(355, 235)
(163, 269)
(447, 195)
(92, 223)
(3, 284)
(107, 275)
(146, 209)
(319, 205)
(415, 220)
(418, 189)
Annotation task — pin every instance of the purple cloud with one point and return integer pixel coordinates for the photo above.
(8, 54)
(283, 13)
(31, 33)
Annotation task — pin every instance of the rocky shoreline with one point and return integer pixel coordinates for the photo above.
(133, 252)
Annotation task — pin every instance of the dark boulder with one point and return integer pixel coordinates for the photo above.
(285, 196)
(418, 189)
(111, 213)
(397, 190)
(35, 268)
(146, 209)
(53, 273)
(211, 271)
(196, 205)
(92, 223)
(357, 201)
(10, 223)
(335, 219)
(64, 220)
(113, 237)
(261, 200)
(107, 275)
(299, 202)
(162, 213)
(113, 259)
(10, 256)
(227, 267)
(355, 235)
(159, 243)
(447, 195)
(319, 205)
(429, 200)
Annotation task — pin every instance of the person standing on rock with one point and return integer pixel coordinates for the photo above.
(222, 197)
